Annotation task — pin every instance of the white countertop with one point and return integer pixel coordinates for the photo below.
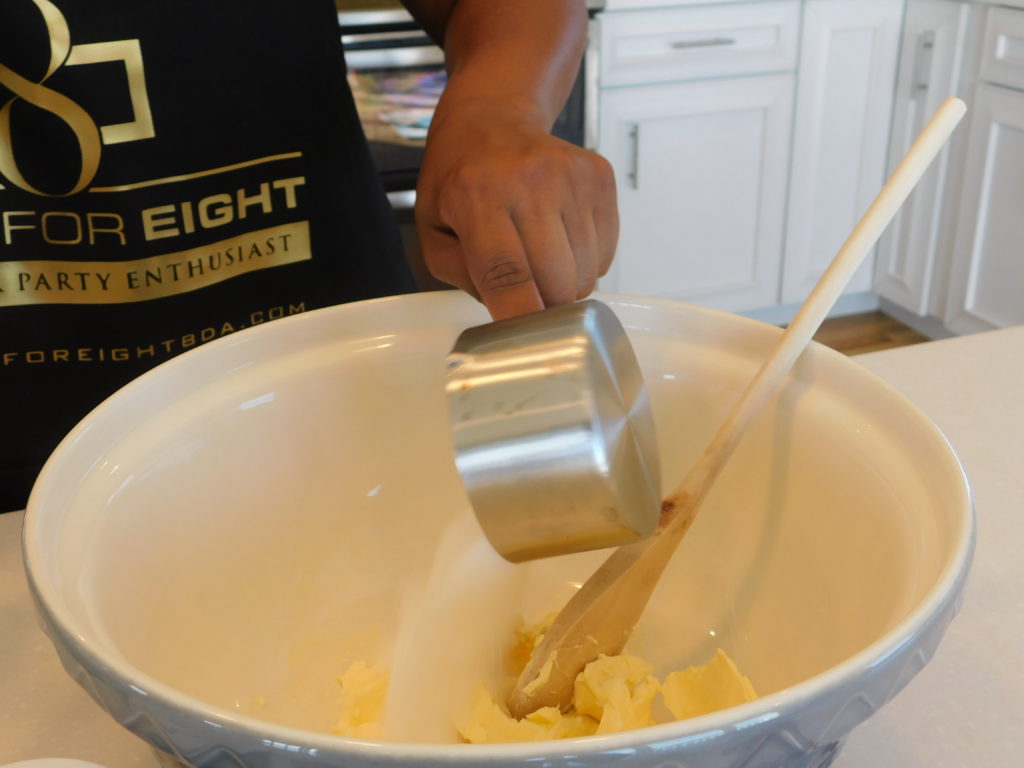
(965, 710)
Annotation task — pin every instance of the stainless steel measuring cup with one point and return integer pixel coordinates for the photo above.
(553, 432)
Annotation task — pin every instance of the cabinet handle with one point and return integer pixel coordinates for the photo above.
(922, 63)
(634, 160)
(709, 42)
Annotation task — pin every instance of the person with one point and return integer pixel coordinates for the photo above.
(170, 175)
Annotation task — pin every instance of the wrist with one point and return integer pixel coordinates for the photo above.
(485, 106)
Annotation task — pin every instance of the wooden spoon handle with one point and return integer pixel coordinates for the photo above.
(601, 615)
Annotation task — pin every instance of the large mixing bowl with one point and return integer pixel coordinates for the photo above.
(216, 542)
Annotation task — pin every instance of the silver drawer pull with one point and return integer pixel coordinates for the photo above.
(633, 133)
(709, 42)
(922, 62)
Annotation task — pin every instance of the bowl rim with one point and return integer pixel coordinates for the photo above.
(945, 588)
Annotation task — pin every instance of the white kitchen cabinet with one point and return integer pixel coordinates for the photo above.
(929, 73)
(986, 287)
(747, 139)
(846, 77)
(701, 169)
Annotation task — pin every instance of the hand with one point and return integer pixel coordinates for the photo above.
(513, 216)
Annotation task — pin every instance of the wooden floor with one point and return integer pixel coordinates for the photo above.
(867, 332)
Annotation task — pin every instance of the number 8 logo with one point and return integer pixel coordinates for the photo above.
(38, 95)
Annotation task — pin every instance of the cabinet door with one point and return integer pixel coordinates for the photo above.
(701, 174)
(844, 105)
(987, 278)
(929, 64)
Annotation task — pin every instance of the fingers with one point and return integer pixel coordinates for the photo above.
(519, 262)
(605, 214)
(549, 254)
(520, 227)
(583, 249)
(498, 266)
(489, 261)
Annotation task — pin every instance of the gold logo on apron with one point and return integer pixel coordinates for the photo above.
(90, 137)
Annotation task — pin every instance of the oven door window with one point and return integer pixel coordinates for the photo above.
(395, 106)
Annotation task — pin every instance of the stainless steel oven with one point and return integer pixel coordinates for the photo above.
(397, 74)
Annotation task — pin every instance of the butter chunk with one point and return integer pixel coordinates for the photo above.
(364, 691)
(698, 690)
(488, 723)
(611, 694)
(618, 692)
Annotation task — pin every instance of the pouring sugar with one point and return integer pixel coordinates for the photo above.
(453, 635)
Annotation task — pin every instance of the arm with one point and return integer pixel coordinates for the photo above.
(507, 212)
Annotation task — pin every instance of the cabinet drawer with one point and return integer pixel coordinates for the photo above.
(1002, 59)
(639, 47)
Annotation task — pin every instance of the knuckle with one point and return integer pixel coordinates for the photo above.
(603, 164)
(592, 179)
(461, 186)
(503, 269)
(604, 174)
(594, 171)
(533, 168)
(562, 292)
(466, 178)
(585, 160)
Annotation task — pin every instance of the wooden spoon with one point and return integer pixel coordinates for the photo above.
(600, 616)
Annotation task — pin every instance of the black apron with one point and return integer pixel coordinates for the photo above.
(169, 173)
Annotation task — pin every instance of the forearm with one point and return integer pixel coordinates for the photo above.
(521, 53)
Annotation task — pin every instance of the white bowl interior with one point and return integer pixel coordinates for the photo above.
(243, 523)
